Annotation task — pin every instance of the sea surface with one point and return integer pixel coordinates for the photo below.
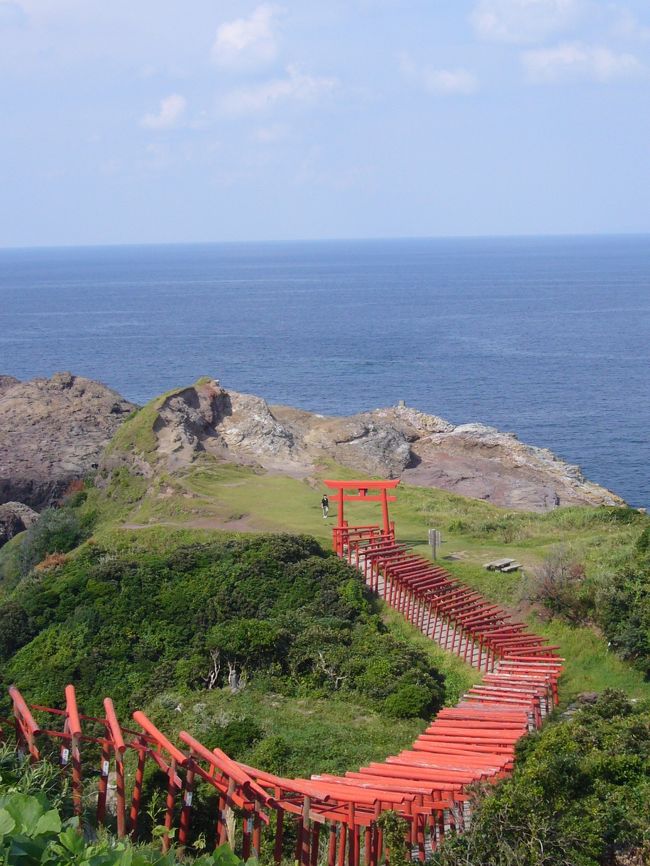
(547, 337)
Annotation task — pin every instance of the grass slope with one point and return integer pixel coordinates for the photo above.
(219, 495)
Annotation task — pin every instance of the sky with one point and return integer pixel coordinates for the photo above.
(158, 121)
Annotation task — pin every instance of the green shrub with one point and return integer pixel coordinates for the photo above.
(57, 530)
(16, 628)
(407, 702)
(32, 833)
(131, 621)
(622, 609)
(236, 737)
(274, 754)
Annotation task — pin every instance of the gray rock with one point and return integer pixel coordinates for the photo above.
(470, 459)
(15, 517)
(52, 431)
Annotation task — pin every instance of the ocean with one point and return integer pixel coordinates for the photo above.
(546, 337)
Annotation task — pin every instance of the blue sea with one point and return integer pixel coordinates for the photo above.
(547, 337)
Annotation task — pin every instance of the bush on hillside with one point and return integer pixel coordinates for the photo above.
(558, 585)
(621, 603)
(273, 753)
(57, 530)
(408, 701)
(16, 629)
(134, 623)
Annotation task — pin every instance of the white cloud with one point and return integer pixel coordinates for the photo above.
(445, 81)
(295, 87)
(271, 134)
(576, 61)
(523, 21)
(170, 114)
(248, 42)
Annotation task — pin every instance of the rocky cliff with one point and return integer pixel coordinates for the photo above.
(470, 459)
(51, 432)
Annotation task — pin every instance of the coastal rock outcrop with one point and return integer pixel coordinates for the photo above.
(14, 518)
(52, 431)
(470, 459)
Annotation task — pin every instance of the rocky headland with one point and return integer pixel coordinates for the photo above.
(55, 431)
(469, 459)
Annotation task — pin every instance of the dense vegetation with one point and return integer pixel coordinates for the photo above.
(579, 796)
(614, 595)
(141, 614)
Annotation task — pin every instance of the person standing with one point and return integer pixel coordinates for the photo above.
(325, 505)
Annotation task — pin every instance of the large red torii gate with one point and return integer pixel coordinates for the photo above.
(357, 491)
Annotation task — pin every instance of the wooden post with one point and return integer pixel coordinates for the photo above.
(186, 808)
(170, 803)
(102, 787)
(315, 840)
(114, 735)
(435, 540)
(120, 795)
(384, 510)
(74, 727)
(331, 848)
(353, 839)
(257, 835)
(304, 853)
(279, 837)
(343, 844)
(137, 789)
(247, 827)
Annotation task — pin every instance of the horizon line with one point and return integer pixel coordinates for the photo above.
(307, 240)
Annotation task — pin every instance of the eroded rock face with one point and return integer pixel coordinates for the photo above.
(470, 459)
(206, 417)
(51, 432)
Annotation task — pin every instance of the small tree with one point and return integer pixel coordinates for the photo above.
(557, 583)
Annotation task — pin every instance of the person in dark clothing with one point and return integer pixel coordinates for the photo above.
(325, 505)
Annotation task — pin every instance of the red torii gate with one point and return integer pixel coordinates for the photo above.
(361, 495)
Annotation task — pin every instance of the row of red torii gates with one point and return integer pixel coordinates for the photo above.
(330, 819)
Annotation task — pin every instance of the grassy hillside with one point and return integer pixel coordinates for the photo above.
(179, 595)
(601, 541)
(165, 618)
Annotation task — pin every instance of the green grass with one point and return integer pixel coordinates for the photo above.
(10, 563)
(589, 665)
(325, 735)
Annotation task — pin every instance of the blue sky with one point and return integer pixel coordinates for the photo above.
(159, 121)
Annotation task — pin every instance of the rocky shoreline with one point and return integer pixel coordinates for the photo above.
(54, 431)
